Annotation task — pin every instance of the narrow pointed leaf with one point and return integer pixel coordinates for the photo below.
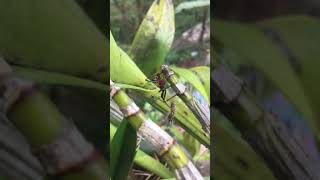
(144, 160)
(53, 78)
(122, 151)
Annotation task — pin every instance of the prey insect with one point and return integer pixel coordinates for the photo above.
(162, 84)
(168, 119)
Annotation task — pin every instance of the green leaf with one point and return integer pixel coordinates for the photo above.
(262, 53)
(122, 151)
(97, 11)
(193, 79)
(191, 5)
(53, 78)
(154, 37)
(52, 35)
(203, 73)
(144, 160)
(301, 35)
(152, 165)
(190, 143)
(122, 68)
(235, 159)
(186, 140)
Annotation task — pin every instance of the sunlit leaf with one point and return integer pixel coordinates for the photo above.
(154, 37)
(122, 68)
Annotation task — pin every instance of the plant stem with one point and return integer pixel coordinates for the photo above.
(144, 160)
(201, 113)
(57, 143)
(163, 143)
(264, 132)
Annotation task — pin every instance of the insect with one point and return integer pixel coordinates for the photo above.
(161, 83)
(172, 112)
(168, 119)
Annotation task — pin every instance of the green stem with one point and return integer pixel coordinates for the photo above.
(144, 160)
(163, 143)
(43, 126)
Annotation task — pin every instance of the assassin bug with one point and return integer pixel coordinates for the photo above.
(161, 83)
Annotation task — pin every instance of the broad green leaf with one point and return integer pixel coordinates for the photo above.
(192, 4)
(193, 79)
(301, 35)
(122, 68)
(122, 151)
(203, 73)
(154, 37)
(144, 160)
(261, 52)
(53, 78)
(54, 36)
(235, 159)
(97, 11)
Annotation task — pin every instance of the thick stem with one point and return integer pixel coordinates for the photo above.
(57, 143)
(163, 143)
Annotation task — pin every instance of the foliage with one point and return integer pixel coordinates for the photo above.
(145, 56)
(58, 46)
(278, 61)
